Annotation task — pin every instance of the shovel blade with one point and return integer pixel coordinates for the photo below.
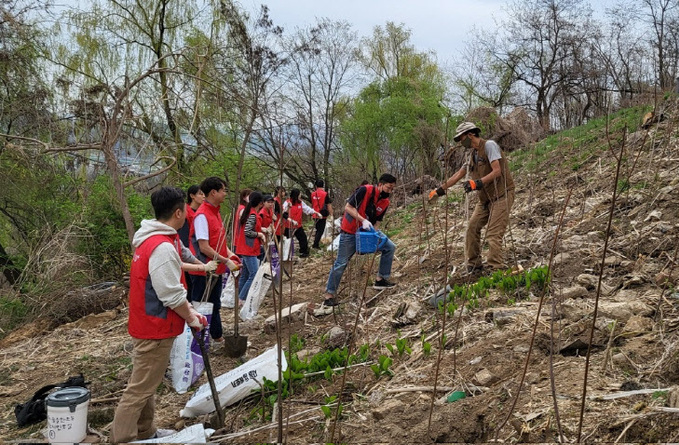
(235, 347)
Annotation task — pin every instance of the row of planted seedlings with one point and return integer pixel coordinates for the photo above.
(302, 375)
(514, 286)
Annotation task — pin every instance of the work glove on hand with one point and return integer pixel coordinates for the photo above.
(196, 321)
(294, 223)
(232, 265)
(470, 186)
(436, 193)
(366, 225)
(210, 266)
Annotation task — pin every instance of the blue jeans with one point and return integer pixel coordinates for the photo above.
(247, 275)
(347, 249)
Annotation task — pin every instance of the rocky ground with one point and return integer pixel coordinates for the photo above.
(520, 359)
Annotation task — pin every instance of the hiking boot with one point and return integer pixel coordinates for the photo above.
(383, 284)
(330, 302)
(160, 432)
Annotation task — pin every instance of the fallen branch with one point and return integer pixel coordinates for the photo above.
(620, 395)
(419, 388)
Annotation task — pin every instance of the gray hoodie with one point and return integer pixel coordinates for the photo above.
(165, 266)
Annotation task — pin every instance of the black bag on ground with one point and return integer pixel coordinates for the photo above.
(34, 410)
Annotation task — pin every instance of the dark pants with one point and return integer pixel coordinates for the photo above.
(300, 234)
(320, 228)
(199, 284)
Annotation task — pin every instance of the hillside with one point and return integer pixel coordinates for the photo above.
(488, 346)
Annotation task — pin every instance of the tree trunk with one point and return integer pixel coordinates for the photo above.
(9, 270)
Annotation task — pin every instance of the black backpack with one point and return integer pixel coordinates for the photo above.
(34, 410)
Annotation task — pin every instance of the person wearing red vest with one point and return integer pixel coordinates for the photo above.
(250, 238)
(242, 202)
(208, 242)
(293, 210)
(266, 214)
(195, 198)
(158, 309)
(320, 202)
(364, 209)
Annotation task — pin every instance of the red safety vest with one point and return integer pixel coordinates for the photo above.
(236, 225)
(318, 201)
(148, 317)
(266, 217)
(249, 246)
(295, 213)
(190, 215)
(349, 224)
(216, 233)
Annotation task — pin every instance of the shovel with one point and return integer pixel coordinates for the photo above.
(235, 345)
(208, 369)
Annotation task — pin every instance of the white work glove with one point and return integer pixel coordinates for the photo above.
(294, 223)
(366, 225)
(210, 266)
(261, 236)
(232, 265)
(196, 320)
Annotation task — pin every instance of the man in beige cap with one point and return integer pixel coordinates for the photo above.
(491, 178)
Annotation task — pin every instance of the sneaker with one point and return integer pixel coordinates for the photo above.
(160, 432)
(329, 302)
(383, 284)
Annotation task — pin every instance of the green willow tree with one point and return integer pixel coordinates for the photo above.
(397, 123)
(118, 40)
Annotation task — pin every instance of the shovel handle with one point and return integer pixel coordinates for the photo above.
(198, 335)
(236, 306)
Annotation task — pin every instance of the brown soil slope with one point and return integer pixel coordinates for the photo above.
(635, 340)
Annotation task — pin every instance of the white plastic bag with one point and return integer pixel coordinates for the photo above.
(193, 434)
(334, 245)
(228, 291)
(288, 249)
(258, 289)
(236, 384)
(186, 360)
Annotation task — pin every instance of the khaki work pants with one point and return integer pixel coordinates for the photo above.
(133, 419)
(496, 215)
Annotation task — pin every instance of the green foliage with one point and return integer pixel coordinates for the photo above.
(586, 141)
(296, 344)
(382, 367)
(324, 363)
(426, 346)
(13, 312)
(510, 285)
(327, 408)
(402, 346)
(109, 246)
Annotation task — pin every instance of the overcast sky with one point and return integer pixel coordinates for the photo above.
(438, 25)
(442, 26)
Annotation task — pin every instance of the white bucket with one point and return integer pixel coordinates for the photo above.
(67, 415)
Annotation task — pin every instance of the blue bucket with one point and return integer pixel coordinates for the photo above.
(369, 241)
